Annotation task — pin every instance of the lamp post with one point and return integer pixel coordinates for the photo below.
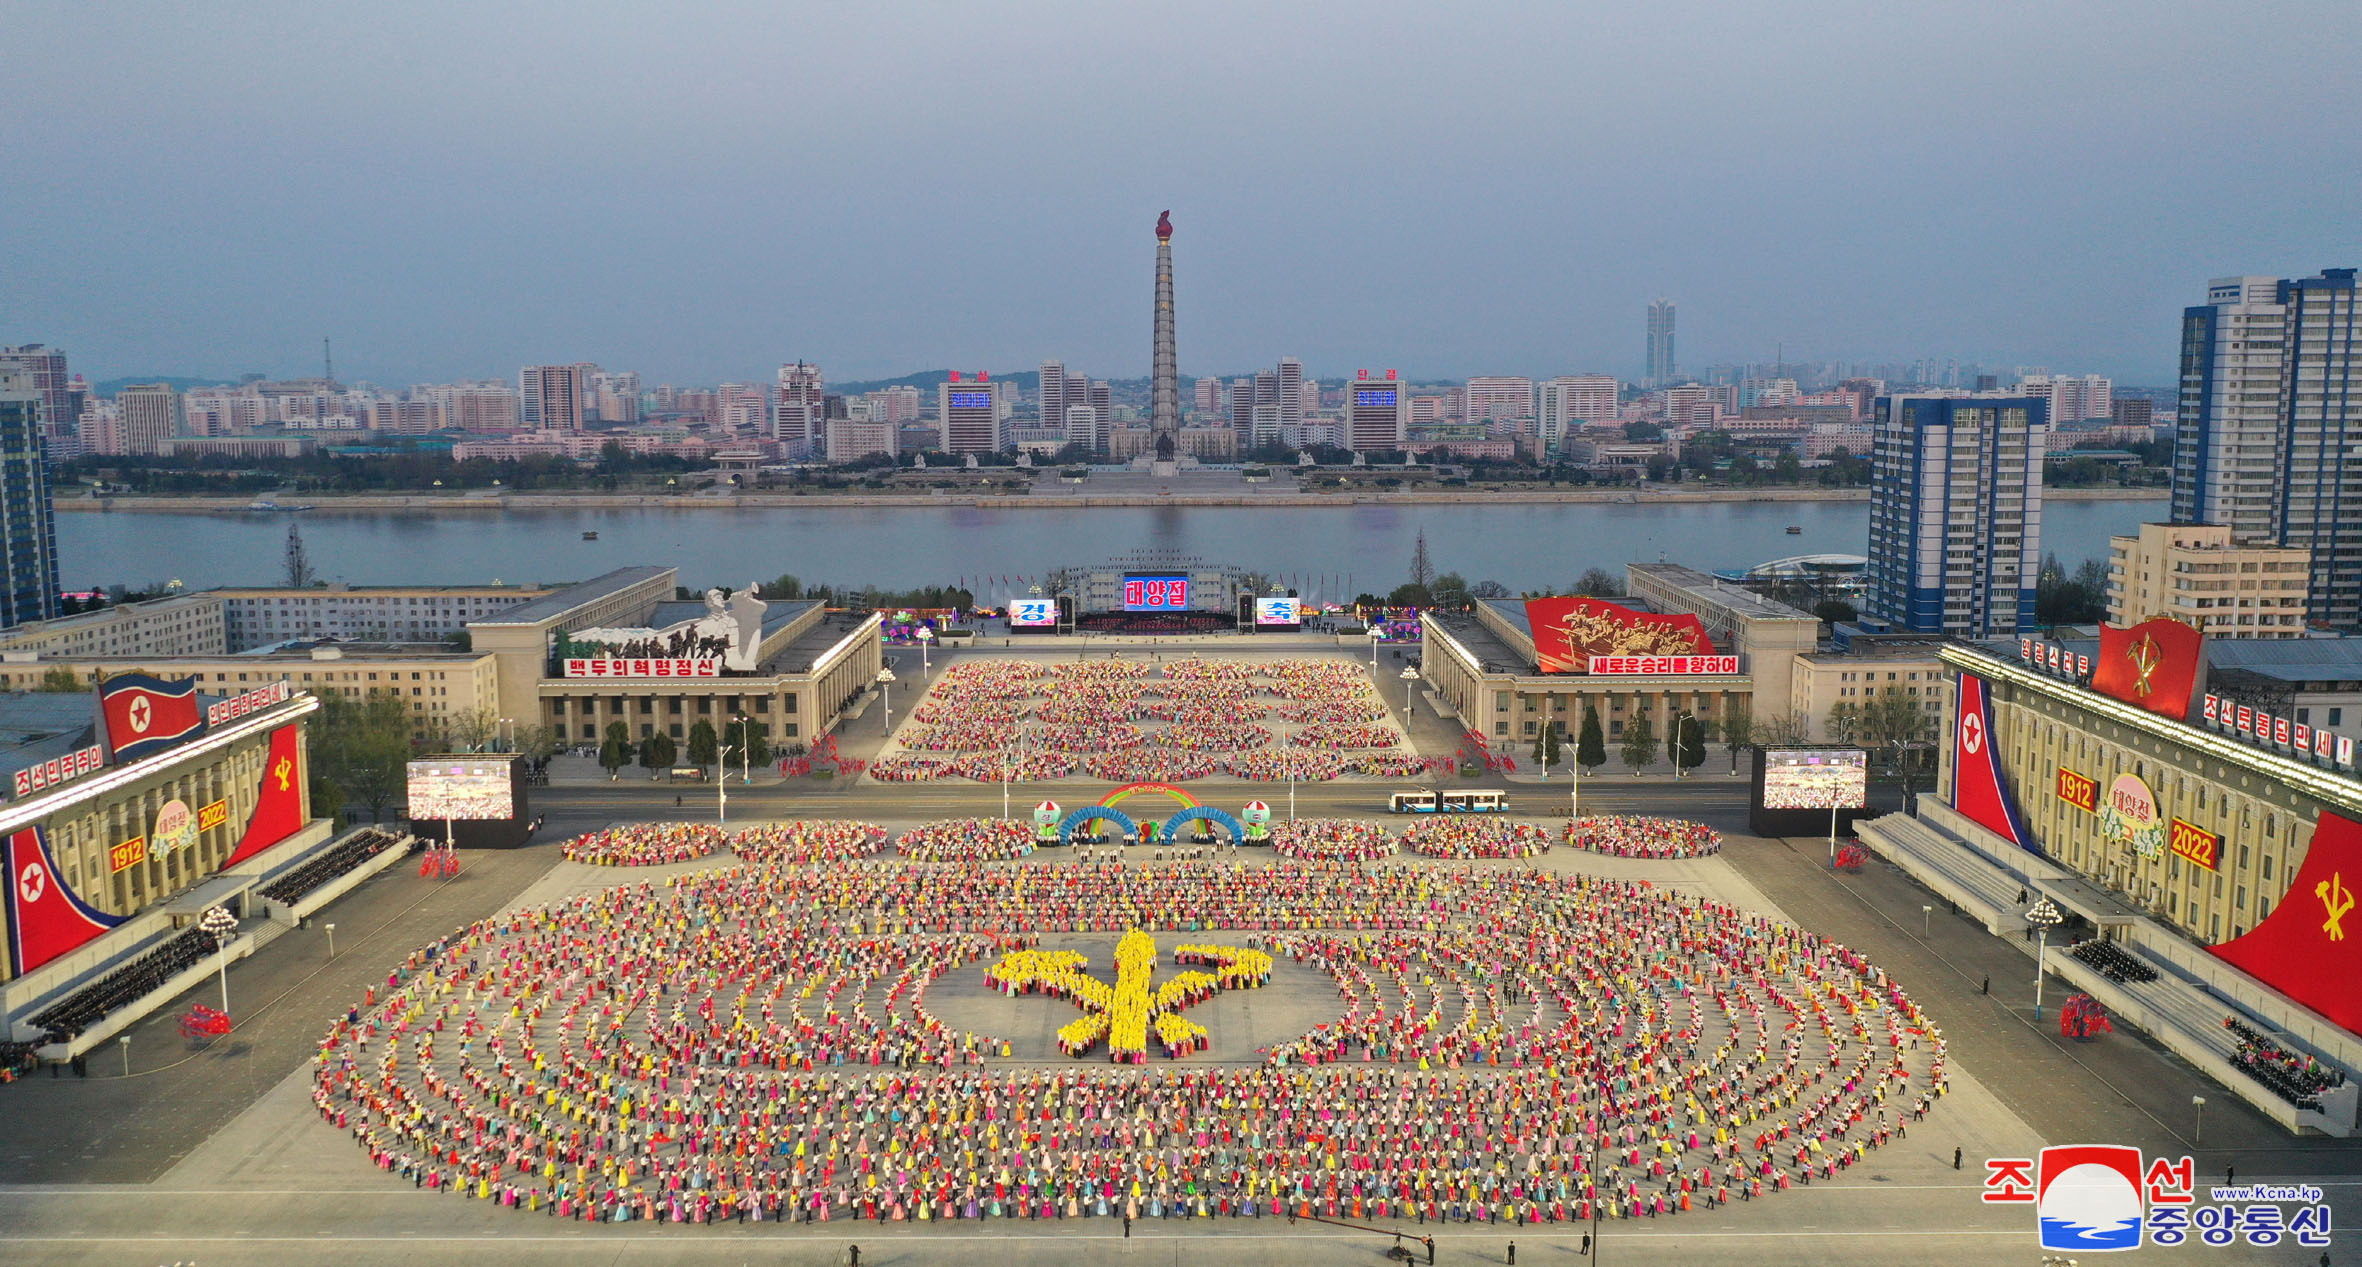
(123, 1044)
(1377, 635)
(1926, 921)
(1680, 741)
(1410, 674)
(1291, 795)
(2044, 917)
(508, 742)
(219, 924)
(331, 941)
(2197, 1120)
(926, 637)
(746, 751)
(885, 681)
(1832, 833)
(722, 784)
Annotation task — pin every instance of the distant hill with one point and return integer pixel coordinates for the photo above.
(180, 382)
(925, 380)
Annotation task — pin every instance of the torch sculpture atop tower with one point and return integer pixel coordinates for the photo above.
(1164, 415)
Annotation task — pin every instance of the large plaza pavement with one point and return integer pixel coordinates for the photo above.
(215, 1156)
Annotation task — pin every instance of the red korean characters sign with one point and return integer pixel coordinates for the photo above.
(1665, 665)
(643, 668)
(2153, 665)
(1569, 632)
(2310, 947)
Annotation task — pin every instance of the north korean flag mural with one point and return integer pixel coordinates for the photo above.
(2153, 665)
(1568, 631)
(2310, 947)
(45, 918)
(1979, 789)
(142, 715)
(278, 806)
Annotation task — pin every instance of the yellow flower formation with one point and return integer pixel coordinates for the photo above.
(1123, 1014)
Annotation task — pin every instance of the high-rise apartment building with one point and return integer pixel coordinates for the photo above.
(615, 396)
(1205, 396)
(149, 415)
(43, 370)
(1956, 513)
(28, 526)
(2270, 414)
(858, 434)
(1377, 413)
(474, 406)
(1053, 393)
(968, 414)
(1290, 401)
(896, 405)
(1660, 343)
(2070, 398)
(1570, 400)
(549, 397)
(1499, 398)
(2201, 576)
(799, 409)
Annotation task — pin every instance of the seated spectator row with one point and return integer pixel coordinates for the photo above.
(2293, 1076)
(332, 862)
(68, 1017)
(2114, 962)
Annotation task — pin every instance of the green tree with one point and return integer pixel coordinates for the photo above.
(1590, 744)
(1845, 720)
(1411, 595)
(1640, 742)
(1835, 610)
(1738, 731)
(359, 751)
(60, 680)
(615, 748)
(657, 751)
(538, 742)
(1450, 590)
(1547, 748)
(1598, 583)
(1687, 743)
(749, 741)
(704, 748)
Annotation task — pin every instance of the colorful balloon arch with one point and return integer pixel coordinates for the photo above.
(1130, 790)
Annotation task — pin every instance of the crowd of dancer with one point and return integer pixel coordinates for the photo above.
(754, 1043)
(1331, 840)
(967, 840)
(647, 844)
(804, 842)
(1454, 836)
(1638, 836)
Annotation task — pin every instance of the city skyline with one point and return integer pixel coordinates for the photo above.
(540, 217)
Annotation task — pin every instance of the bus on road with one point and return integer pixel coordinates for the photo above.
(1463, 802)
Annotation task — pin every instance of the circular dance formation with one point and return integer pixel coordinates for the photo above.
(1458, 837)
(967, 840)
(830, 841)
(647, 844)
(756, 1042)
(1639, 836)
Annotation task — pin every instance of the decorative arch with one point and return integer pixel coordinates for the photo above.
(1206, 813)
(1130, 790)
(1089, 813)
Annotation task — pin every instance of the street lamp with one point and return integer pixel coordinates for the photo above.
(885, 681)
(2044, 917)
(1926, 920)
(746, 753)
(1410, 674)
(926, 637)
(1680, 741)
(123, 1044)
(2198, 1120)
(219, 924)
(1377, 635)
(331, 941)
(722, 784)
(508, 733)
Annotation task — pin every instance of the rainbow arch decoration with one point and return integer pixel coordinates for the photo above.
(1130, 790)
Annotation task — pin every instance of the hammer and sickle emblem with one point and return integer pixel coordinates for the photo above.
(2337, 899)
(2145, 658)
(283, 772)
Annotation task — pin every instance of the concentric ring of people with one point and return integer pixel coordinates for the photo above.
(1479, 837)
(1639, 836)
(661, 844)
(1332, 840)
(967, 840)
(755, 1041)
(1197, 719)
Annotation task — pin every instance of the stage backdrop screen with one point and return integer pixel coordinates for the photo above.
(1279, 611)
(1156, 593)
(1816, 778)
(1033, 613)
(450, 788)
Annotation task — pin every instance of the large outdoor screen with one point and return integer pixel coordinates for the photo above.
(1279, 611)
(1816, 778)
(1033, 613)
(452, 788)
(1156, 593)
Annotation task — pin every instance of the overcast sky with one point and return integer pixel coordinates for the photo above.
(698, 191)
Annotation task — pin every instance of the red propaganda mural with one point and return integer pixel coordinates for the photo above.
(278, 808)
(2310, 947)
(45, 918)
(2152, 665)
(1569, 631)
(1979, 789)
(144, 715)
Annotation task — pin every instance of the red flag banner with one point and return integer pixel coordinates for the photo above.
(1979, 788)
(2152, 665)
(1569, 630)
(145, 715)
(2310, 947)
(278, 807)
(45, 918)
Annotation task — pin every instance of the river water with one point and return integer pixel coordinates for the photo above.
(1334, 551)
